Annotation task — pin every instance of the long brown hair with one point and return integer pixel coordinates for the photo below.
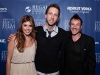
(20, 38)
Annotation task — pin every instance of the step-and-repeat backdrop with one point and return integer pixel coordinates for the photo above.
(12, 10)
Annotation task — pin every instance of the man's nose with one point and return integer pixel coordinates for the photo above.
(52, 16)
(74, 26)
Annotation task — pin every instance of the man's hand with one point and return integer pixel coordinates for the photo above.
(11, 36)
(42, 24)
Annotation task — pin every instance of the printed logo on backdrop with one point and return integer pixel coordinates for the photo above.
(97, 0)
(8, 24)
(97, 43)
(2, 41)
(3, 55)
(36, 9)
(66, 25)
(97, 57)
(39, 22)
(28, 9)
(83, 10)
(97, 26)
(3, 9)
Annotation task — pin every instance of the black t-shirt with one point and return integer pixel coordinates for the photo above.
(73, 58)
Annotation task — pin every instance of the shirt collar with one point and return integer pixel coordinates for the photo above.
(55, 29)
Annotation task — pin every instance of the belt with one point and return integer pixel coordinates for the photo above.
(22, 62)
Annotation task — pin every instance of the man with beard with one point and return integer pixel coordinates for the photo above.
(79, 52)
(50, 40)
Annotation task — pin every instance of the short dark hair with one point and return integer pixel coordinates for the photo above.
(55, 6)
(75, 16)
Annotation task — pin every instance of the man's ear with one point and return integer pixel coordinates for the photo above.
(58, 19)
(81, 26)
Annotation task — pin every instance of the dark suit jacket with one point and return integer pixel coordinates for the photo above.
(87, 55)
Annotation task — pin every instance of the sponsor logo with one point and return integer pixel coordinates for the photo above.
(36, 9)
(8, 24)
(97, 0)
(39, 22)
(97, 26)
(3, 56)
(96, 42)
(97, 57)
(66, 25)
(79, 9)
(28, 9)
(2, 41)
(3, 9)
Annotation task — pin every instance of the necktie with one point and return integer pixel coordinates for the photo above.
(49, 32)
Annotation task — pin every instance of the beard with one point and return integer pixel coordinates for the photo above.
(50, 24)
(75, 33)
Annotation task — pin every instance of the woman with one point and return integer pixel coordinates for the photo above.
(22, 48)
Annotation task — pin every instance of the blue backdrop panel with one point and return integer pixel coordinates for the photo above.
(11, 11)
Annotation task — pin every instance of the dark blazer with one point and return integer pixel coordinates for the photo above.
(87, 55)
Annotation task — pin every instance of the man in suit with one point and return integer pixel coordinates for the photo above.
(79, 51)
